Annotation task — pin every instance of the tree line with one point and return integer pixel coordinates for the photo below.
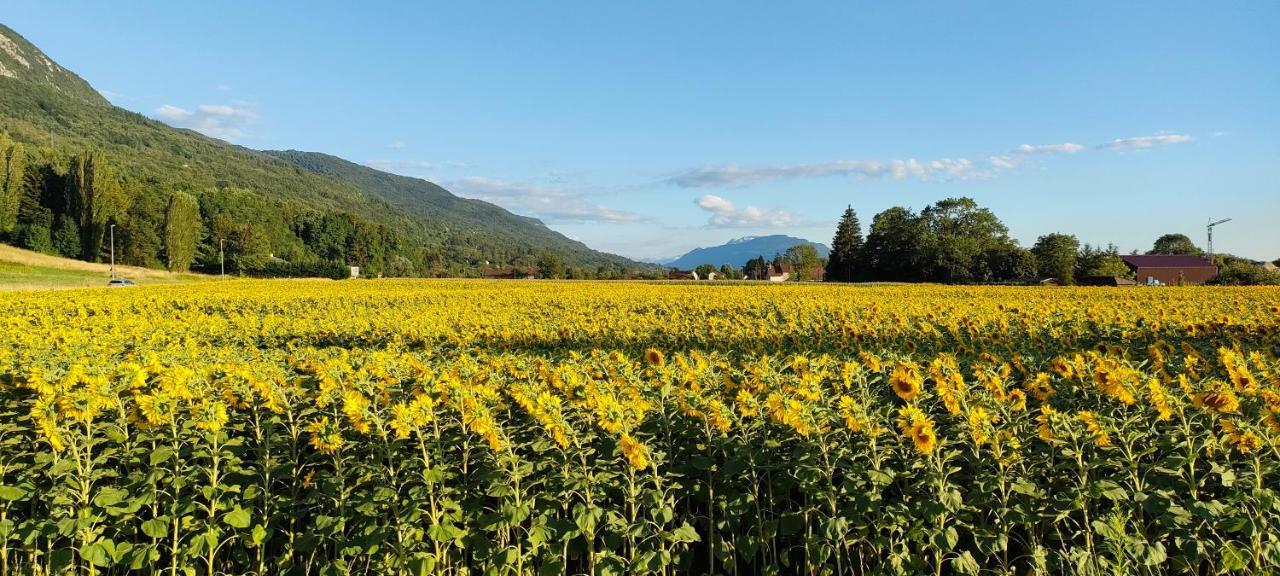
(957, 241)
(71, 204)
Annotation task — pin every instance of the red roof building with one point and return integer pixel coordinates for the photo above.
(1170, 270)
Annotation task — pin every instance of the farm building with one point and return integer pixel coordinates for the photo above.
(787, 270)
(1171, 270)
(675, 274)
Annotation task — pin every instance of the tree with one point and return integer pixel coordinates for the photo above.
(95, 197)
(846, 248)
(550, 266)
(139, 231)
(728, 272)
(399, 267)
(1098, 261)
(704, 271)
(892, 246)
(1056, 256)
(181, 231)
(756, 269)
(13, 160)
(1174, 244)
(804, 259)
(1011, 262)
(959, 237)
(1244, 273)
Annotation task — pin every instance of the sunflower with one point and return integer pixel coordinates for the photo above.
(906, 380)
(919, 427)
(655, 358)
(636, 453)
(1091, 424)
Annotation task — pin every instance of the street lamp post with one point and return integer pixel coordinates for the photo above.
(113, 251)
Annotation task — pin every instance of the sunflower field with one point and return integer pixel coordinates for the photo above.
(471, 427)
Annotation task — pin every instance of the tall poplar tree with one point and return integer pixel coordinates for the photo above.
(94, 198)
(846, 249)
(181, 231)
(12, 173)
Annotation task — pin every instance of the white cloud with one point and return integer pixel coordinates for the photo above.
(1144, 142)
(224, 121)
(1063, 148)
(397, 145)
(733, 175)
(724, 214)
(549, 204)
(946, 169)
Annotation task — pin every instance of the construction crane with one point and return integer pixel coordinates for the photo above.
(1213, 223)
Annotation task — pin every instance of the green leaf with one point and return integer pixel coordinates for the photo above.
(259, 535)
(946, 539)
(685, 534)
(964, 563)
(12, 493)
(109, 496)
(156, 527)
(161, 455)
(237, 518)
(98, 553)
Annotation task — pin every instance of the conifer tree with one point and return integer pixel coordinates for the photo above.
(846, 248)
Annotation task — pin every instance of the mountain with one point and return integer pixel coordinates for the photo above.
(302, 206)
(737, 252)
(428, 201)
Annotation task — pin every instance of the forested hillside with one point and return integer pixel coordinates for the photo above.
(73, 165)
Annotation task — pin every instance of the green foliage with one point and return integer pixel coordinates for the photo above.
(181, 231)
(1056, 256)
(952, 241)
(550, 266)
(756, 269)
(1174, 244)
(13, 159)
(892, 248)
(1097, 261)
(804, 259)
(704, 271)
(846, 249)
(1245, 273)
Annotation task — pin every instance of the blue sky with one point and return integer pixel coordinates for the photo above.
(647, 129)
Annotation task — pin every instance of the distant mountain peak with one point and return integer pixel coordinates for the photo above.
(736, 252)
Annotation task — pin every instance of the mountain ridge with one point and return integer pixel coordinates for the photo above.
(54, 113)
(738, 251)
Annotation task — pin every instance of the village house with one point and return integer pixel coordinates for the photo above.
(509, 273)
(787, 270)
(1170, 270)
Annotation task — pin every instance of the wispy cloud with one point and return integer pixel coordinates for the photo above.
(946, 169)
(397, 145)
(736, 176)
(548, 204)
(224, 121)
(1063, 148)
(1144, 142)
(724, 214)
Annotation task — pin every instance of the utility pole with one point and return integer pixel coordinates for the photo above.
(1212, 223)
(222, 260)
(113, 251)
